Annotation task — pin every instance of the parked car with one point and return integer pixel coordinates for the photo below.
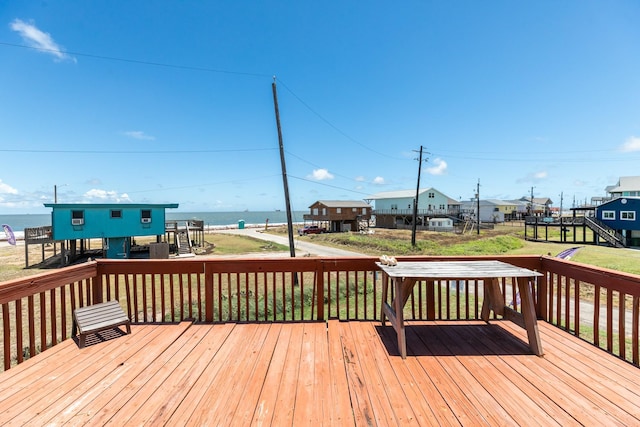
(311, 229)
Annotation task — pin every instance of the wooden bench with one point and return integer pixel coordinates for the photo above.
(98, 317)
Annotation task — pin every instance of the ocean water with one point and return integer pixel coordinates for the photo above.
(211, 219)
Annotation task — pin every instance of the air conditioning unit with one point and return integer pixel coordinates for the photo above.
(145, 220)
(77, 221)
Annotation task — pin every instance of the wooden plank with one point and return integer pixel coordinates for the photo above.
(359, 395)
(271, 386)
(307, 410)
(255, 383)
(382, 408)
(322, 390)
(340, 411)
(284, 408)
(456, 270)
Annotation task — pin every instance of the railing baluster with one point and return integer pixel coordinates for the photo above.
(621, 325)
(6, 336)
(609, 319)
(576, 308)
(18, 329)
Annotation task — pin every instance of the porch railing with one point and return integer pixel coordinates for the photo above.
(599, 305)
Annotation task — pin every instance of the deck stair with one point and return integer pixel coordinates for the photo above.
(183, 241)
(605, 232)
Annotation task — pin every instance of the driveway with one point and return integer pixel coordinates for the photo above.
(303, 247)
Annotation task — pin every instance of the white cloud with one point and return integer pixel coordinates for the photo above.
(320, 175)
(439, 169)
(532, 177)
(105, 196)
(38, 39)
(138, 134)
(378, 180)
(360, 178)
(630, 145)
(7, 189)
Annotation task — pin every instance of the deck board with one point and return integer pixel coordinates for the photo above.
(333, 373)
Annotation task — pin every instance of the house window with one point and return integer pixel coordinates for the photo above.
(324, 211)
(364, 211)
(432, 195)
(338, 210)
(315, 211)
(77, 217)
(116, 213)
(145, 216)
(608, 215)
(628, 215)
(354, 209)
(394, 207)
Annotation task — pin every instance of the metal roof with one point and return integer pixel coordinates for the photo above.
(626, 183)
(343, 203)
(401, 194)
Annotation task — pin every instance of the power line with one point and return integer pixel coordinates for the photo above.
(48, 151)
(332, 125)
(329, 185)
(137, 61)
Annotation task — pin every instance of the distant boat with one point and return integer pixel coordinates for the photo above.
(277, 210)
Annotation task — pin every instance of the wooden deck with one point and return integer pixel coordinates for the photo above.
(335, 373)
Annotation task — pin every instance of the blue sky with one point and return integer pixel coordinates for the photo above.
(160, 101)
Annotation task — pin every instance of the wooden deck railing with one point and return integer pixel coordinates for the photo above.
(598, 305)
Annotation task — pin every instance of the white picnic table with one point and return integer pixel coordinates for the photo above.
(404, 275)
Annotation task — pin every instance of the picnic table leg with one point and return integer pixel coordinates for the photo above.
(385, 292)
(493, 299)
(529, 315)
(398, 306)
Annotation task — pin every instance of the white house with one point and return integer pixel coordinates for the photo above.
(394, 209)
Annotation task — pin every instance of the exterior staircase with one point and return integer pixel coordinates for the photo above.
(183, 241)
(606, 233)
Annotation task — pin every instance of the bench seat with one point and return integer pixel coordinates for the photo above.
(98, 317)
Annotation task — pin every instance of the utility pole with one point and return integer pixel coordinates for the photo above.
(531, 204)
(478, 201)
(561, 198)
(292, 249)
(415, 202)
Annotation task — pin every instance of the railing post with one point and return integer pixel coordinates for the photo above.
(96, 286)
(541, 296)
(431, 300)
(208, 294)
(320, 289)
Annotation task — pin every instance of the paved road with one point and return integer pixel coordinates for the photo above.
(302, 244)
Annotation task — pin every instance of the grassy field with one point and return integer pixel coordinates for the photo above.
(503, 240)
